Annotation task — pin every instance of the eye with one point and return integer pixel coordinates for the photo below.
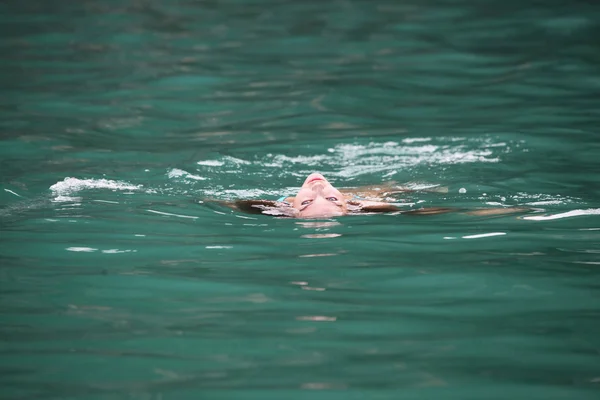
(305, 202)
(332, 198)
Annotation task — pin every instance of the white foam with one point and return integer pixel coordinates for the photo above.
(542, 199)
(211, 163)
(71, 186)
(81, 249)
(234, 160)
(545, 203)
(66, 199)
(254, 193)
(415, 140)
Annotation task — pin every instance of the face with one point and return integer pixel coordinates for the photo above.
(317, 198)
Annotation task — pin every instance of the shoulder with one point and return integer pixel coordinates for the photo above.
(360, 206)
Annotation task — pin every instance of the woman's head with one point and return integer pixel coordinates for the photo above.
(317, 198)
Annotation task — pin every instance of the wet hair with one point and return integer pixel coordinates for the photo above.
(269, 207)
(282, 209)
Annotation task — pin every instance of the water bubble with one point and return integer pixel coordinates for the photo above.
(462, 190)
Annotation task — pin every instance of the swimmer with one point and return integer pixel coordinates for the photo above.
(317, 198)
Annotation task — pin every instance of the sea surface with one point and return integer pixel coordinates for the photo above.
(124, 126)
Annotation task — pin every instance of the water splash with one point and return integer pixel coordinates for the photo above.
(65, 190)
(349, 160)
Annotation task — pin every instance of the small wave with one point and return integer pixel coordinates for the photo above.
(568, 214)
(226, 160)
(179, 173)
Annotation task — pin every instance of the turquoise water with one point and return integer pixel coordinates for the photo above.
(122, 122)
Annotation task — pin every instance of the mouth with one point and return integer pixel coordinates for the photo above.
(316, 178)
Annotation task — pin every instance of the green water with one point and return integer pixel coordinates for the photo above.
(122, 121)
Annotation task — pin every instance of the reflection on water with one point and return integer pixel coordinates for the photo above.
(124, 124)
(322, 229)
(321, 236)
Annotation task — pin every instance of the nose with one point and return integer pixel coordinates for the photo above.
(318, 188)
